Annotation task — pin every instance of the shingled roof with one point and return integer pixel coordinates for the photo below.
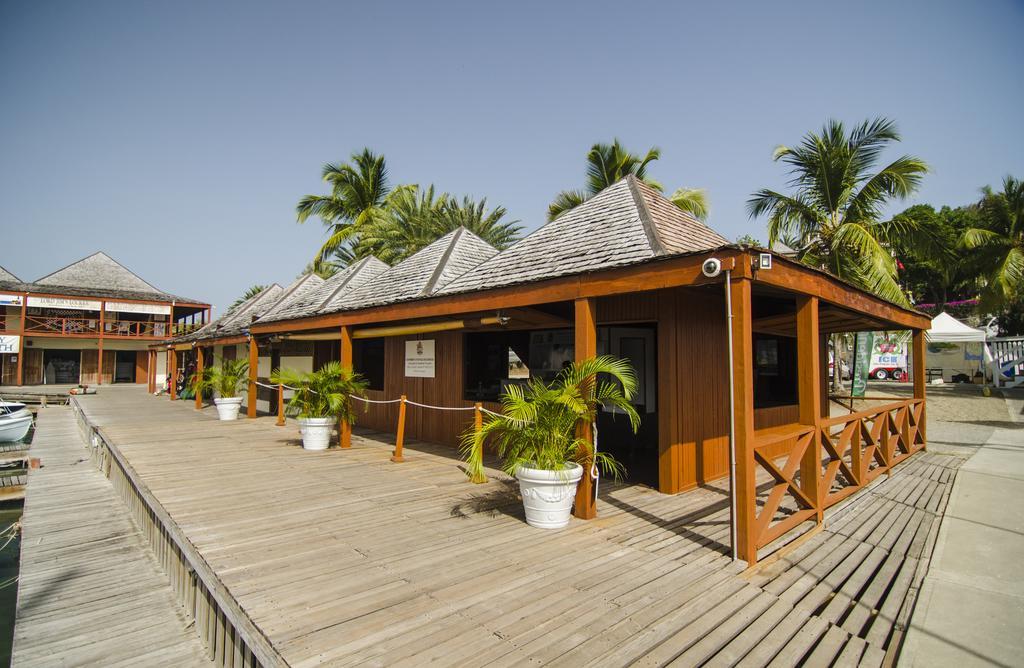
(8, 276)
(626, 223)
(421, 274)
(329, 291)
(97, 275)
(302, 286)
(238, 318)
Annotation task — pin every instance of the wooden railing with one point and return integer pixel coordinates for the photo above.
(841, 454)
(111, 328)
(60, 325)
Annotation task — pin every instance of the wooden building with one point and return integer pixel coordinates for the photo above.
(91, 322)
(733, 347)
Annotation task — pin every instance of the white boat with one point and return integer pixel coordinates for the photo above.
(15, 421)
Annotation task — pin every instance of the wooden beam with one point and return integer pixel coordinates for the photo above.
(344, 427)
(670, 445)
(920, 382)
(200, 363)
(585, 507)
(254, 363)
(744, 486)
(808, 356)
(99, 347)
(21, 342)
(173, 374)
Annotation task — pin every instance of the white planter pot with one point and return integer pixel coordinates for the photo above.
(227, 408)
(548, 495)
(316, 432)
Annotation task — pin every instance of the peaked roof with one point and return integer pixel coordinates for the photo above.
(238, 318)
(422, 273)
(8, 276)
(97, 275)
(303, 285)
(333, 289)
(626, 223)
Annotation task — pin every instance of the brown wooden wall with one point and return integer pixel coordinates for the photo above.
(141, 366)
(32, 370)
(692, 385)
(88, 371)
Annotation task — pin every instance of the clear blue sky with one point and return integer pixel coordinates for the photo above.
(178, 136)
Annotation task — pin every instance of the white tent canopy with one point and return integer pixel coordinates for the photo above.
(947, 329)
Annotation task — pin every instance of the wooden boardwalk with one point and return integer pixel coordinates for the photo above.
(344, 557)
(89, 591)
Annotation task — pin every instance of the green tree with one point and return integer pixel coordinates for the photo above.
(942, 276)
(415, 218)
(608, 164)
(248, 294)
(833, 217)
(748, 240)
(998, 244)
(359, 195)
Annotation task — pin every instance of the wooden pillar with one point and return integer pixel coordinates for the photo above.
(585, 507)
(809, 394)
(21, 341)
(280, 405)
(920, 382)
(344, 427)
(200, 363)
(149, 371)
(478, 424)
(254, 363)
(99, 346)
(744, 486)
(172, 372)
(399, 433)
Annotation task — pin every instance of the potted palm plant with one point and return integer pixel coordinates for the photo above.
(226, 381)
(538, 435)
(321, 398)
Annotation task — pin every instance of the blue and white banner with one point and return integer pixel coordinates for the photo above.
(10, 300)
(9, 344)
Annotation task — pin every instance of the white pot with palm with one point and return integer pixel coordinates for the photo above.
(320, 399)
(226, 381)
(538, 439)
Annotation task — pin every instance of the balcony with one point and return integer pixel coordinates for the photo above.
(90, 327)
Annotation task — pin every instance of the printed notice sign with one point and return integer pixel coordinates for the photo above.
(419, 359)
(9, 344)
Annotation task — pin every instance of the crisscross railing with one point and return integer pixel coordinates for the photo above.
(852, 450)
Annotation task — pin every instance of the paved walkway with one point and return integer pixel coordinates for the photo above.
(90, 593)
(971, 607)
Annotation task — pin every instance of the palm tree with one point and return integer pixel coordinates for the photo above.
(539, 420)
(608, 164)
(999, 243)
(415, 218)
(249, 294)
(832, 219)
(359, 194)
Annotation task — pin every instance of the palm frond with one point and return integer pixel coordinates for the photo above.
(694, 201)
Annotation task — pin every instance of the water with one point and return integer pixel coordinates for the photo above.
(10, 562)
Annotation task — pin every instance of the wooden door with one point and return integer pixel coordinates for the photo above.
(32, 371)
(141, 366)
(8, 369)
(89, 371)
(109, 364)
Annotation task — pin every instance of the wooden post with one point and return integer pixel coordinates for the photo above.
(280, 405)
(920, 383)
(344, 427)
(21, 341)
(478, 424)
(254, 363)
(173, 374)
(809, 395)
(99, 346)
(585, 507)
(200, 364)
(400, 433)
(744, 486)
(150, 370)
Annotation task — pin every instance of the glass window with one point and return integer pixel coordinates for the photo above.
(775, 380)
(493, 361)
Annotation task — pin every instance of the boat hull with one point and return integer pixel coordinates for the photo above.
(14, 426)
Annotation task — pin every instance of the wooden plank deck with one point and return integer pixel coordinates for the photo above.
(89, 591)
(344, 557)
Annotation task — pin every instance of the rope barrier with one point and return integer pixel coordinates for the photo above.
(441, 408)
(377, 401)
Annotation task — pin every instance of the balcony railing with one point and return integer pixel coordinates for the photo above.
(111, 328)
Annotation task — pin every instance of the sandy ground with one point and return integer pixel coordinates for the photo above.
(959, 403)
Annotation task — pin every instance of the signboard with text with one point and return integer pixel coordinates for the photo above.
(10, 300)
(128, 307)
(419, 359)
(9, 344)
(864, 347)
(64, 302)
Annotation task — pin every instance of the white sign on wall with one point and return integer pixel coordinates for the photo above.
(10, 300)
(64, 302)
(419, 359)
(9, 344)
(128, 307)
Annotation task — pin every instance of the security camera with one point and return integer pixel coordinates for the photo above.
(712, 267)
